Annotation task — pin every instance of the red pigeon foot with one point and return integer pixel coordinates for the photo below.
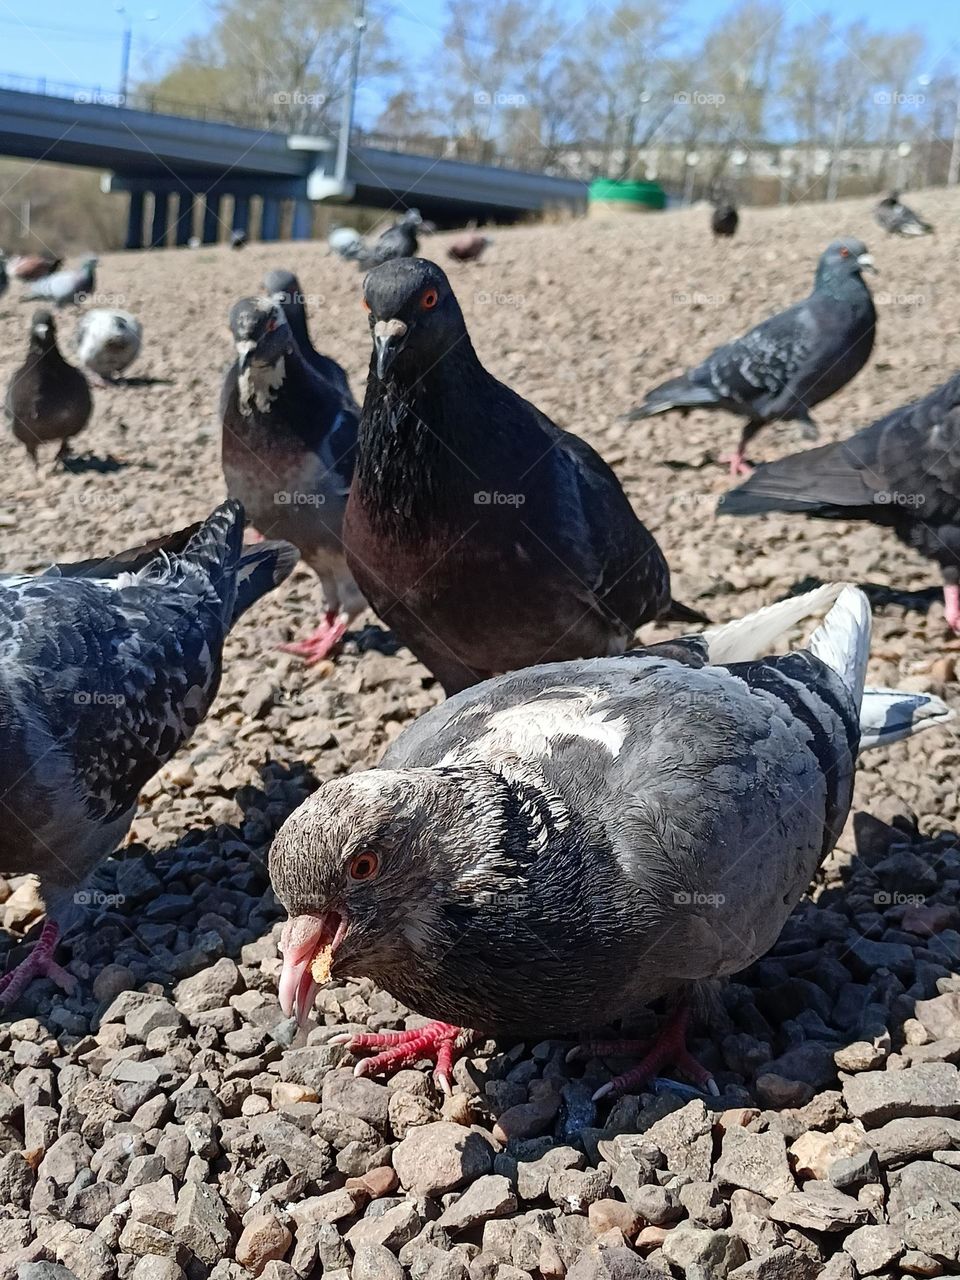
(951, 606)
(38, 964)
(739, 466)
(322, 642)
(669, 1047)
(436, 1040)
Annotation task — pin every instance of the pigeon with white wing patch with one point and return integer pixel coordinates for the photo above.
(550, 851)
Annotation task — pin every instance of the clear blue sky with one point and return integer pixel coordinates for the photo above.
(61, 40)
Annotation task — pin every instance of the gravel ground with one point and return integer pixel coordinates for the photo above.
(166, 1121)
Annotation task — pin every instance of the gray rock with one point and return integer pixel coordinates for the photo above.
(873, 1248)
(686, 1139)
(819, 1207)
(604, 1264)
(574, 1190)
(490, 1196)
(65, 1159)
(44, 1271)
(155, 1203)
(929, 1088)
(202, 1223)
(151, 1016)
(755, 1162)
(357, 1096)
(533, 1176)
(16, 1180)
(715, 1253)
(704, 1204)
(392, 1229)
(940, 1016)
(441, 1157)
(780, 1264)
(375, 1262)
(150, 1267)
(850, 1172)
(209, 989)
(898, 1141)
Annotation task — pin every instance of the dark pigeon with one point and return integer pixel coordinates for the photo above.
(238, 239)
(724, 219)
(782, 368)
(899, 220)
(549, 852)
(485, 536)
(285, 286)
(47, 399)
(902, 472)
(106, 669)
(4, 278)
(468, 247)
(73, 285)
(398, 241)
(33, 266)
(288, 452)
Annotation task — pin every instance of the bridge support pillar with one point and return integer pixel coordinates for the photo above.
(158, 228)
(211, 217)
(135, 221)
(270, 219)
(302, 220)
(183, 227)
(241, 214)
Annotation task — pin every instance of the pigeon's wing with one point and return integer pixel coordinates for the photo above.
(905, 465)
(757, 368)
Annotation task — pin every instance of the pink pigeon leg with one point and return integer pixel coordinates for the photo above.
(436, 1040)
(951, 606)
(668, 1048)
(38, 964)
(739, 466)
(322, 642)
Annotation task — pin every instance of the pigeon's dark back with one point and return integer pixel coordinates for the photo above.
(902, 471)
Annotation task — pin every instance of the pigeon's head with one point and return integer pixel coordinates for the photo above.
(843, 259)
(365, 868)
(260, 331)
(284, 283)
(43, 330)
(415, 318)
(412, 218)
(89, 262)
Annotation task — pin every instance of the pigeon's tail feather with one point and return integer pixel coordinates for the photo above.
(677, 612)
(215, 546)
(890, 715)
(262, 568)
(842, 641)
(756, 635)
(678, 393)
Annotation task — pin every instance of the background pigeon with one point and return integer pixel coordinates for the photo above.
(345, 242)
(903, 472)
(398, 241)
(468, 247)
(485, 536)
(285, 286)
(551, 851)
(238, 239)
(33, 266)
(66, 286)
(4, 278)
(288, 452)
(107, 342)
(724, 219)
(899, 220)
(789, 363)
(106, 669)
(47, 398)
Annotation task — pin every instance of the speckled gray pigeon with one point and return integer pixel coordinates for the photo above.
(788, 363)
(550, 851)
(106, 669)
(902, 472)
(73, 285)
(47, 399)
(288, 450)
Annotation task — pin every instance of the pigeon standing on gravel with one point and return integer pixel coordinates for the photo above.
(724, 219)
(33, 266)
(106, 669)
(47, 398)
(485, 536)
(288, 452)
(551, 851)
(398, 241)
(107, 342)
(345, 242)
(468, 247)
(902, 472)
(285, 287)
(787, 364)
(899, 220)
(70, 286)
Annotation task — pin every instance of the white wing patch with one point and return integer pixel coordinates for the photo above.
(530, 730)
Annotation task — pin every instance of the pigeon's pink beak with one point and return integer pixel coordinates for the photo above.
(303, 940)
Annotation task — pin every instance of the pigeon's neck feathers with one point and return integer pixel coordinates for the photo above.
(422, 446)
(259, 384)
(844, 286)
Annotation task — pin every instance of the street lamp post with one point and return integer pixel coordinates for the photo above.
(125, 47)
(346, 118)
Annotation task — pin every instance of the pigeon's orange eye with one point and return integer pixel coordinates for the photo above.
(271, 323)
(366, 304)
(429, 300)
(364, 866)
(844, 252)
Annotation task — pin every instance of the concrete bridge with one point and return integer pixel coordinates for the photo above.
(230, 176)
